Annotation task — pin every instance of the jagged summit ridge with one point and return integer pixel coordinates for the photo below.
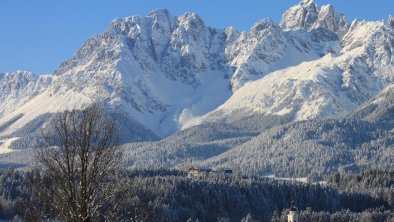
(329, 87)
(19, 87)
(307, 16)
(151, 69)
(303, 15)
(330, 20)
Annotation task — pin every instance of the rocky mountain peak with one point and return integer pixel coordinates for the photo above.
(232, 34)
(307, 16)
(264, 26)
(191, 21)
(301, 16)
(162, 19)
(125, 26)
(159, 13)
(19, 74)
(330, 20)
(15, 81)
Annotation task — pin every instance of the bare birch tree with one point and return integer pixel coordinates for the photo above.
(81, 165)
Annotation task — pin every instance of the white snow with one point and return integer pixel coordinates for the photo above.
(44, 103)
(308, 16)
(296, 179)
(300, 16)
(331, 86)
(5, 145)
(18, 87)
(308, 86)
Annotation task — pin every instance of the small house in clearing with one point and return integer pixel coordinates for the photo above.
(198, 171)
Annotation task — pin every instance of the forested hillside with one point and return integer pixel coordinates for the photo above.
(163, 195)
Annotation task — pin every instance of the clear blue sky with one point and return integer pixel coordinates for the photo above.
(37, 35)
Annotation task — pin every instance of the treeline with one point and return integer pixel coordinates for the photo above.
(378, 184)
(169, 195)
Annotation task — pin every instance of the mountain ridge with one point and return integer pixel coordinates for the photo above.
(169, 78)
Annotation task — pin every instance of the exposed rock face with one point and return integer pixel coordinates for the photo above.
(330, 20)
(330, 86)
(18, 87)
(252, 54)
(302, 16)
(308, 16)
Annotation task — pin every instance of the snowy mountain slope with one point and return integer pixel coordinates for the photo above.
(355, 69)
(158, 71)
(41, 104)
(361, 140)
(315, 148)
(380, 109)
(331, 86)
(267, 48)
(164, 66)
(19, 87)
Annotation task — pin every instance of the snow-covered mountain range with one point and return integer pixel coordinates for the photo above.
(160, 74)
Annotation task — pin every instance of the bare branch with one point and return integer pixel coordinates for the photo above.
(81, 159)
